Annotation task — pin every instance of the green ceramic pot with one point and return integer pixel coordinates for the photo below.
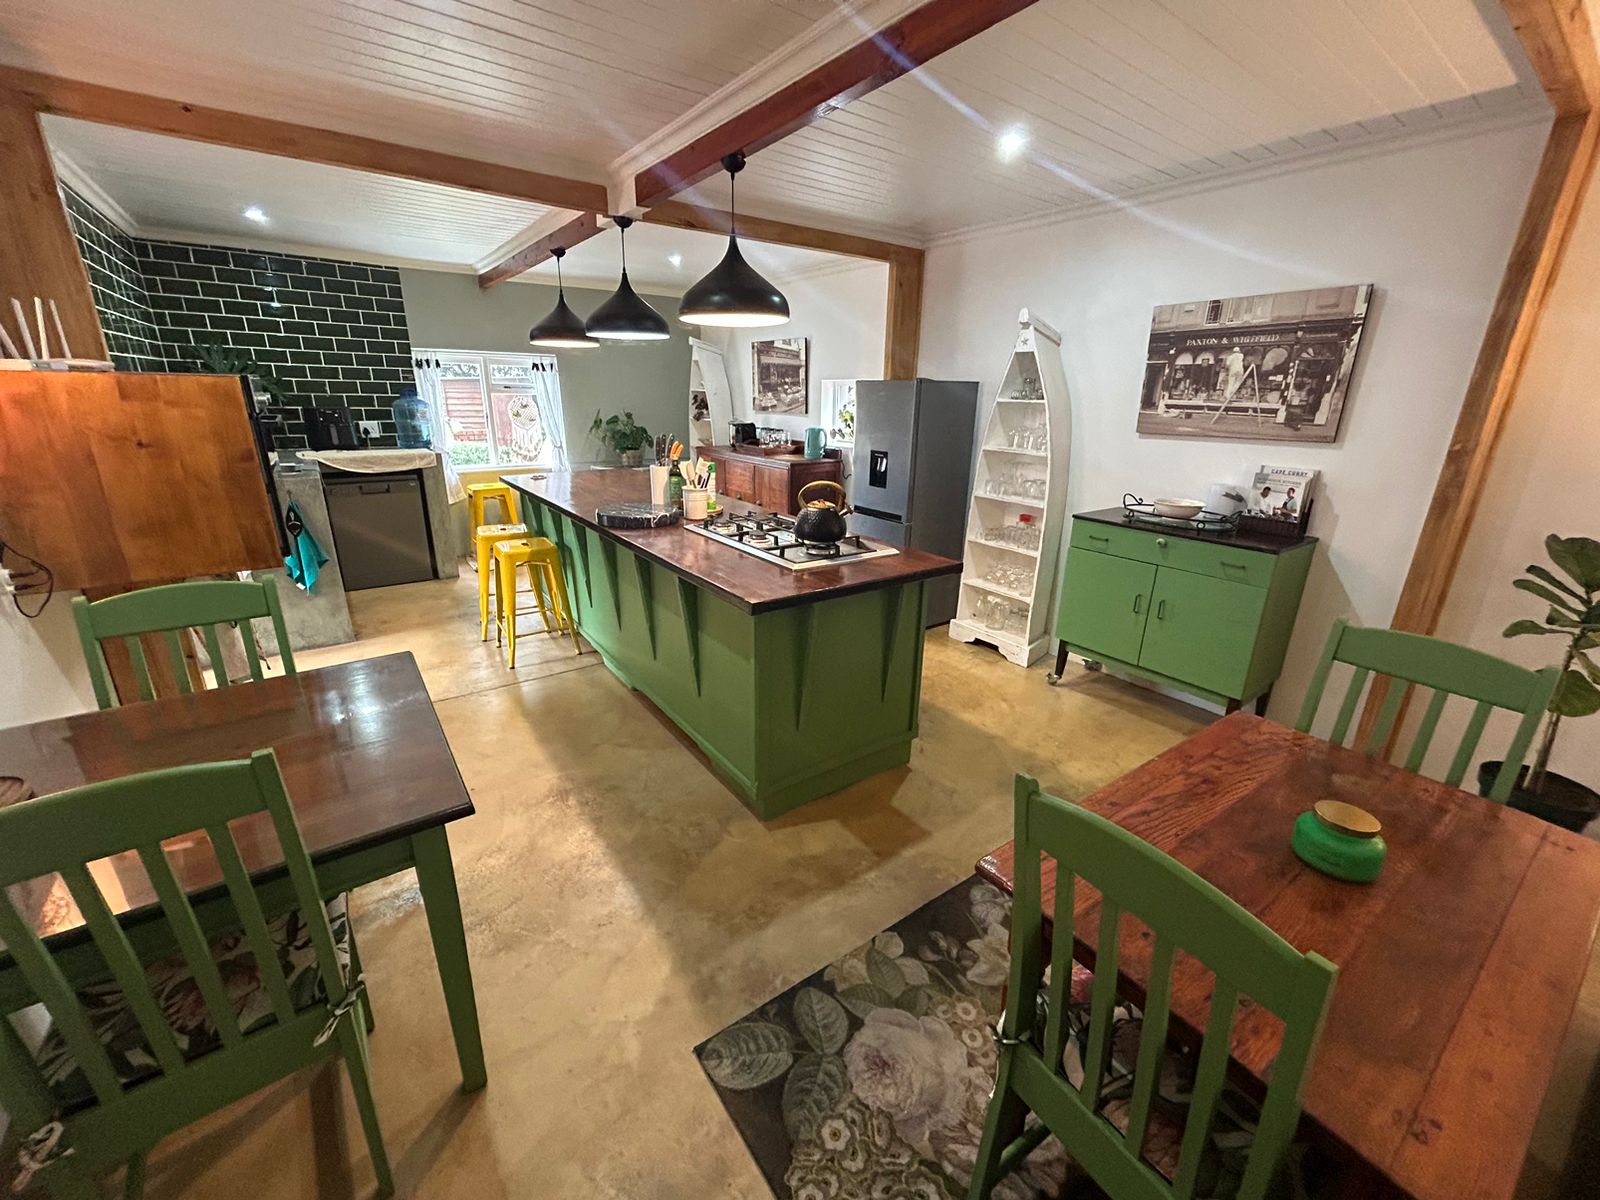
(1341, 840)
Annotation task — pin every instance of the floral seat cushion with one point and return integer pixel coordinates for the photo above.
(184, 1008)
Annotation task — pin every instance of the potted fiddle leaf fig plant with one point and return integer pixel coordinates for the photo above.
(624, 435)
(1573, 600)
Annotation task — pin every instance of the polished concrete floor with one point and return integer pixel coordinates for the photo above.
(621, 905)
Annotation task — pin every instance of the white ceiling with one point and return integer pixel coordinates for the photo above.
(166, 185)
(1119, 98)
(157, 186)
(559, 85)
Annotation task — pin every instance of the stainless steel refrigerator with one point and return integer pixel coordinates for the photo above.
(911, 471)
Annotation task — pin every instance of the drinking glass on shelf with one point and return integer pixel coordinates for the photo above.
(1036, 438)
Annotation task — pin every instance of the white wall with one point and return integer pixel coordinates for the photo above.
(842, 313)
(42, 664)
(1545, 479)
(446, 310)
(1430, 224)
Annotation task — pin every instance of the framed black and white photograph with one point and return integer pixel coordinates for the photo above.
(779, 368)
(1273, 367)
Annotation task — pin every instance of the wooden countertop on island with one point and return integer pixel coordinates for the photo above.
(741, 579)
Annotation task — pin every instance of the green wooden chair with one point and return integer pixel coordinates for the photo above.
(203, 604)
(1450, 670)
(160, 1044)
(1185, 913)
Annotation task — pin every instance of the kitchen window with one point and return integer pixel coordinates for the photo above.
(495, 410)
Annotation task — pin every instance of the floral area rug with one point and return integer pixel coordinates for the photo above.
(871, 1078)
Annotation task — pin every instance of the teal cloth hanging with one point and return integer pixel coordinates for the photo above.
(306, 558)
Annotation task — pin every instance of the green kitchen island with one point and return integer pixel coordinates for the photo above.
(794, 683)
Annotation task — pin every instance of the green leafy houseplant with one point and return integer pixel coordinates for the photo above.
(222, 359)
(622, 433)
(1574, 616)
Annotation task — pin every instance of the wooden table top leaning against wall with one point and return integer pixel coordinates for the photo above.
(371, 777)
(1458, 968)
(794, 683)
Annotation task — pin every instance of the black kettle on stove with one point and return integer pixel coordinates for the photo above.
(821, 522)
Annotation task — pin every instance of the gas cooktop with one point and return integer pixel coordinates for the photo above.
(771, 536)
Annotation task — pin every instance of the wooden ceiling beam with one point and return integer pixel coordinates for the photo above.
(679, 215)
(580, 229)
(675, 214)
(899, 47)
(154, 114)
(1558, 41)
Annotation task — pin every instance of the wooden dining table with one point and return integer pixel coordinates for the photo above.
(367, 768)
(1459, 968)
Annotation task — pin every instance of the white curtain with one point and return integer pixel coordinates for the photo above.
(547, 393)
(430, 388)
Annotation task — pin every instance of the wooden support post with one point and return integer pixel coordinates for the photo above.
(1559, 44)
(903, 318)
(38, 254)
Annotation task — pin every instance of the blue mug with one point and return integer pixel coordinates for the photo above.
(815, 441)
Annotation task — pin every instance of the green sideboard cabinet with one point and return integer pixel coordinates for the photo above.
(1208, 613)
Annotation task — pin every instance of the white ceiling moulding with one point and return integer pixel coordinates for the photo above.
(825, 270)
(824, 40)
(74, 177)
(1370, 145)
(299, 250)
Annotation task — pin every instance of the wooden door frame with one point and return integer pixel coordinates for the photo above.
(1558, 41)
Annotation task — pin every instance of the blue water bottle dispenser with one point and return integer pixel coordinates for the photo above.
(413, 422)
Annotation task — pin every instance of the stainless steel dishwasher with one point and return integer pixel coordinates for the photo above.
(380, 529)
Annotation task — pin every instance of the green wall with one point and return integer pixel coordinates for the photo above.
(447, 310)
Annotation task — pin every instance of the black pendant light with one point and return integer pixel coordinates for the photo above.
(561, 329)
(733, 293)
(626, 316)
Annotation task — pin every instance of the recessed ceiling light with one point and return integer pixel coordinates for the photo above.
(255, 213)
(1011, 142)
(675, 259)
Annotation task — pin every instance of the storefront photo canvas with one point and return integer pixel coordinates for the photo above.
(1272, 367)
(780, 375)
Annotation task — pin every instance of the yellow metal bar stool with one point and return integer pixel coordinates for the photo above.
(543, 561)
(479, 495)
(486, 538)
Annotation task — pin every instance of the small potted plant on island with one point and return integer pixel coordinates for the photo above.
(1574, 615)
(624, 435)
